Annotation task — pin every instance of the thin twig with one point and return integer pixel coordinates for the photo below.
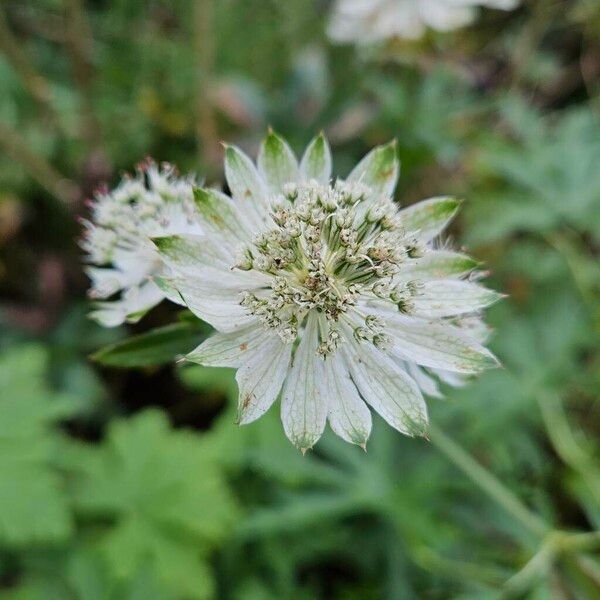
(33, 81)
(79, 44)
(204, 45)
(64, 189)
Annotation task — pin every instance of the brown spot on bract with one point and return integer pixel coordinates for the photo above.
(243, 346)
(247, 193)
(246, 401)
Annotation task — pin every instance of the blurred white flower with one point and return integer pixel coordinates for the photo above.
(371, 21)
(326, 293)
(122, 258)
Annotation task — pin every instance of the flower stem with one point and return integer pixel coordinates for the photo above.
(491, 485)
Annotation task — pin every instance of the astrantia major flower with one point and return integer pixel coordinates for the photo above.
(369, 21)
(325, 294)
(123, 260)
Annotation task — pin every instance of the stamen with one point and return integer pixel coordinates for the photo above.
(326, 249)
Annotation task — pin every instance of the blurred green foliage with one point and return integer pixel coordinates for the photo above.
(33, 508)
(147, 502)
(135, 483)
(164, 498)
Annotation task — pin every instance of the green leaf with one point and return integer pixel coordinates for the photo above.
(89, 580)
(207, 379)
(163, 499)
(33, 507)
(156, 347)
(551, 171)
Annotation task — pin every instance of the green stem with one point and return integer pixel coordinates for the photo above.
(458, 570)
(209, 151)
(32, 80)
(297, 515)
(535, 568)
(555, 544)
(565, 444)
(485, 480)
(43, 172)
(79, 45)
(584, 269)
(582, 542)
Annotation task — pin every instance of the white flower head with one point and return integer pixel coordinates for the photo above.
(324, 293)
(372, 21)
(123, 261)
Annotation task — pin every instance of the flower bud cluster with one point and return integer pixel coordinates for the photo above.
(146, 205)
(372, 331)
(329, 245)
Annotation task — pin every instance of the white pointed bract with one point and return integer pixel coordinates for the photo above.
(372, 21)
(123, 261)
(325, 294)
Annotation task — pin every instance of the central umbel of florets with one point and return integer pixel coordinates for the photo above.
(329, 246)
